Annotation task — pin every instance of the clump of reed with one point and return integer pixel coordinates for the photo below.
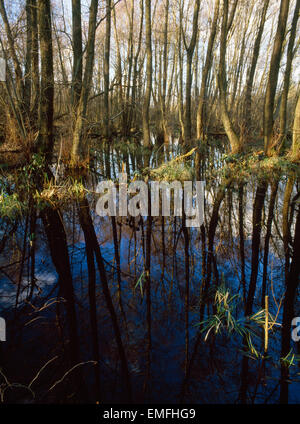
(175, 169)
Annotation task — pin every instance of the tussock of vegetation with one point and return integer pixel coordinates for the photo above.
(172, 171)
(244, 166)
(176, 169)
(10, 205)
(224, 320)
(59, 194)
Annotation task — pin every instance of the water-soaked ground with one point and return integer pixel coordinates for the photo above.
(133, 316)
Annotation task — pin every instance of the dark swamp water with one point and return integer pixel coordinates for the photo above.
(144, 309)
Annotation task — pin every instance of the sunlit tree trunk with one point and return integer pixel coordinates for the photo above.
(164, 76)
(251, 71)
(28, 58)
(120, 102)
(146, 106)
(190, 53)
(201, 115)
(130, 16)
(273, 76)
(180, 84)
(77, 52)
(45, 139)
(106, 67)
(134, 92)
(11, 43)
(234, 141)
(287, 76)
(35, 87)
(296, 132)
(86, 86)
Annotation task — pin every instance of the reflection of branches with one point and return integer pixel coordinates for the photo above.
(40, 371)
(69, 371)
(8, 385)
(47, 304)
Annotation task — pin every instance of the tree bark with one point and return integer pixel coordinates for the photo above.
(146, 106)
(201, 112)
(46, 106)
(273, 76)
(106, 68)
(190, 52)
(287, 76)
(77, 52)
(234, 141)
(296, 133)
(251, 71)
(86, 86)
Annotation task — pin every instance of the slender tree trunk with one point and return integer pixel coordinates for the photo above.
(287, 76)
(11, 43)
(86, 86)
(234, 141)
(296, 132)
(201, 112)
(77, 52)
(28, 59)
(120, 100)
(45, 139)
(146, 106)
(106, 68)
(273, 76)
(190, 53)
(251, 72)
(35, 88)
(163, 90)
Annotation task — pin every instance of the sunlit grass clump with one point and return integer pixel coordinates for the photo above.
(10, 205)
(174, 170)
(58, 194)
(224, 320)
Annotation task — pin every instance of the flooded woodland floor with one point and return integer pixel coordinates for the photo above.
(124, 309)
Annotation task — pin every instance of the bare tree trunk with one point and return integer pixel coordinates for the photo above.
(287, 75)
(28, 61)
(164, 76)
(133, 118)
(106, 68)
(120, 101)
(180, 83)
(273, 76)
(201, 112)
(146, 106)
(11, 43)
(234, 141)
(296, 132)
(251, 72)
(86, 86)
(77, 52)
(35, 89)
(45, 139)
(190, 52)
